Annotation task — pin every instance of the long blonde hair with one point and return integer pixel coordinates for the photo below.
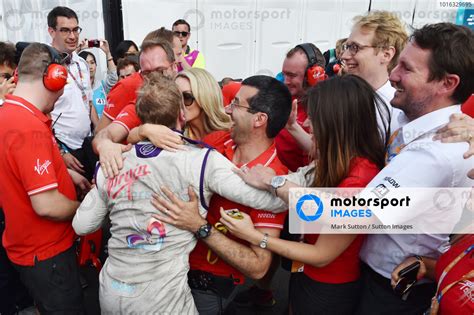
(209, 97)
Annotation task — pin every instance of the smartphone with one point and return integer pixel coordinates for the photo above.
(407, 278)
(93, 43)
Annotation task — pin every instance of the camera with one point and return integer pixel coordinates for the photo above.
(93, 43)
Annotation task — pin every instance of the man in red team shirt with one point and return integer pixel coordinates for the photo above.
(220, 261)
(294, 71)
(37, 191)
(156, 55)
(125, 91)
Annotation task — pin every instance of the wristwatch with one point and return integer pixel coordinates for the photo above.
(263, 243)
(277, 182)
(204, 231)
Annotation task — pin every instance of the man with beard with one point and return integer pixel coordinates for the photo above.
(434, 75)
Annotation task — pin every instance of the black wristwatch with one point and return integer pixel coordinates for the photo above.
(204, 231)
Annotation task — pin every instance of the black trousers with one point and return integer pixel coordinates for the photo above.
(13, 295)
(87, 157)
(379, 298)
(54, 284)
(308, 296)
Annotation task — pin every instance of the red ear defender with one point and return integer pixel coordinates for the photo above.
(15, 76)
(55, 77)
(315, 74)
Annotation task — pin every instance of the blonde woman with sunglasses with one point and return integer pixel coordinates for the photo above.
(203, 110)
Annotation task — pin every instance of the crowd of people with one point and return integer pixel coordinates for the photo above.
(185, 180)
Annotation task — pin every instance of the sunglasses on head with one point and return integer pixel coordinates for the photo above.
(188, 98)
(183, 34)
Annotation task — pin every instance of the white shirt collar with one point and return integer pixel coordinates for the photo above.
(428, 122)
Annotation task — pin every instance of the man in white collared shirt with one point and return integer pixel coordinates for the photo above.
(372, 51)
(433, 77)
(72, 111)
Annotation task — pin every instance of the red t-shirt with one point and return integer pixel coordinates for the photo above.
(218, 139)
(468, 107)
(30, 163)
(459, 299)
(128, 117)
(346, 267)
(201, 258)
(123, 93)
(288, 150)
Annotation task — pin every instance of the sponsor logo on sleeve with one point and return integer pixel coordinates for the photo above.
(42, 168)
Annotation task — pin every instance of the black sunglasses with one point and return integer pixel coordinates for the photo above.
(188, 98)
(183, 34)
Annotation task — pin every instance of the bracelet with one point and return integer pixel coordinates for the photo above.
(110, 59)
(419, 258)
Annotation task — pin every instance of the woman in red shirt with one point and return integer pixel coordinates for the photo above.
(350, 152)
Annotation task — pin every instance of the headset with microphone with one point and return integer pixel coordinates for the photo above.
(55, 73)
(314, 72)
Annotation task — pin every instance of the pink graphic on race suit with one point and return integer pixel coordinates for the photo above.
(125, 181)
(147, 240)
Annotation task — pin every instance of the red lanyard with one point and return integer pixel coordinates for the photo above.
(79, 85)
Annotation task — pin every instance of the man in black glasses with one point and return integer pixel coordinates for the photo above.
(193, 58)
(73, 112)
(7, 67)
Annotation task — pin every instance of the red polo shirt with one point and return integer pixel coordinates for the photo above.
(289, 151)
(468, 107)
(128, 117)
(202, 258)
(30, 163)
(459, 298)
(123, 93)
(346, 267)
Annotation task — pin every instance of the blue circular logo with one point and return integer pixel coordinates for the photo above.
(315, 202)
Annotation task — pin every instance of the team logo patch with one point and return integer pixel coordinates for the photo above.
(42, 168)
(147, 150)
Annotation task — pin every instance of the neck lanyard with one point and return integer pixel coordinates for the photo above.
(470, 274)
(80, 85)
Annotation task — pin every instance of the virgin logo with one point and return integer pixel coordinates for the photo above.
(59, 73)
(42, 168)
(125, 181)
